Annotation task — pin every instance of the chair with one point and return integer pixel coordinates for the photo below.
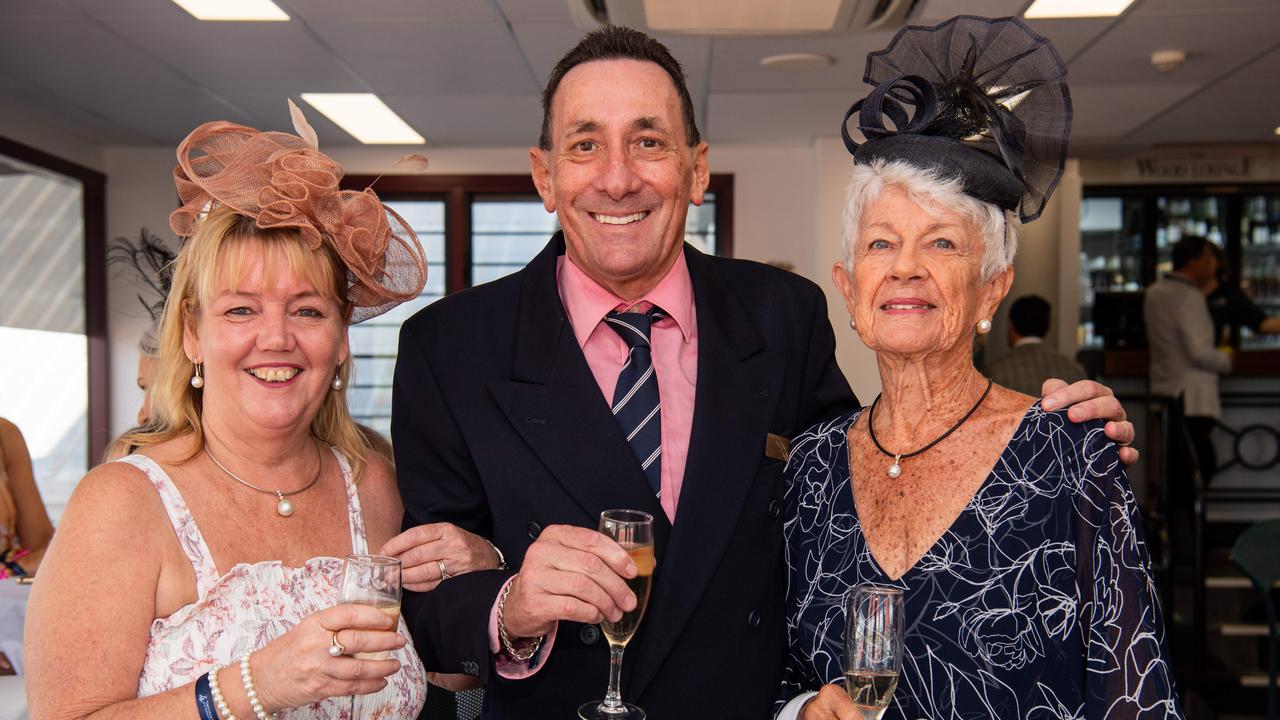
(1256, 554)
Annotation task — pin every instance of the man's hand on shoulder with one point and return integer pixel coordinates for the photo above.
(569, 573)
(1089, 400)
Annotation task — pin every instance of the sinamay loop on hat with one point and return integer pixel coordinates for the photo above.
(281, 181)
(979, 99)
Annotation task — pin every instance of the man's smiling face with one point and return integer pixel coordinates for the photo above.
(620, 173)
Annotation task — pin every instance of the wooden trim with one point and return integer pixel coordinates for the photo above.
(722, 185)
(94, 204)
(440, 184)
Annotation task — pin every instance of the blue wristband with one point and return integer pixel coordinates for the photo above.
(204, 699)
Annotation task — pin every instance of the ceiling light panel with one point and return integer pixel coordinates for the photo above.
(1046, 9)
(742, 16)
(365, 117)
(233, 10)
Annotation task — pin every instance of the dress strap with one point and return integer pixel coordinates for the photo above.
(184, 524)
(355, 516)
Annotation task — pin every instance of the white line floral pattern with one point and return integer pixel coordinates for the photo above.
(1037, 603)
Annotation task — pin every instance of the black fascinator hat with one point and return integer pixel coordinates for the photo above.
(982, 100)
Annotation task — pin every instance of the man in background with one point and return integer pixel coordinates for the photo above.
(1185, 361)
(1029, 361)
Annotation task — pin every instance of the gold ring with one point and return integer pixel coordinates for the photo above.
(336, 648)
(444, 574)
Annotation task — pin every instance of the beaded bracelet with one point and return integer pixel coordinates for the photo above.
(502, 630)
(218, 701)
(246, 677)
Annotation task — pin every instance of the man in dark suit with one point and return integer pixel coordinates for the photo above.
(508, 420)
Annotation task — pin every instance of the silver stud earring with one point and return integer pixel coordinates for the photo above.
(984, 326)
(852, 326)
(197, 382)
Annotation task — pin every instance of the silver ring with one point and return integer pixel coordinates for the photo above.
(444, 574)
(336, 648)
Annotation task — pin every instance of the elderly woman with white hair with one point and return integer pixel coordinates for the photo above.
(1010, 532)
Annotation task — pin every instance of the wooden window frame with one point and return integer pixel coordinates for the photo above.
(459, 191)
(94, 187)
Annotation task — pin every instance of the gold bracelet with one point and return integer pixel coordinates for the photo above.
(502, 629)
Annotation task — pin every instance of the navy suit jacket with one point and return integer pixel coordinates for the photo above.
(499, 427)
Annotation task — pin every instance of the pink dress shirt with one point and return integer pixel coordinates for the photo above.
(674, 342)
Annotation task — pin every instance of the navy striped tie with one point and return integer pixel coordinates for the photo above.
(635, 398)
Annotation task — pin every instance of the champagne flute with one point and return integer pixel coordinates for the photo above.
(872, 647)
(633, 530)
(372, 580)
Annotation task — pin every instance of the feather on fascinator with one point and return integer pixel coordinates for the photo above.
(982, 100)
(151, 261)
(284, 181)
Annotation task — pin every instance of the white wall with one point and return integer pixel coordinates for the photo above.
(46, 134)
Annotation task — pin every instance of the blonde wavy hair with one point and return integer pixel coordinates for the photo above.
(218, 250)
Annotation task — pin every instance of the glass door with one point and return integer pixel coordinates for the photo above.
(1112, 258)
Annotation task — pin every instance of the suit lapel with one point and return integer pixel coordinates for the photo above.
(732, 411)
(554, 403)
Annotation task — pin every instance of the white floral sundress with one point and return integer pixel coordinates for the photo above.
(251, 605)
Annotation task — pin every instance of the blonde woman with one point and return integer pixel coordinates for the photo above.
(196, 577)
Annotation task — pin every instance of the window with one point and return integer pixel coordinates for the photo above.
(477, 228)
(53, 379)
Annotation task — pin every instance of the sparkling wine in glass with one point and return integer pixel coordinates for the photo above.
(372, 580)
(873, 647)
(633, 530)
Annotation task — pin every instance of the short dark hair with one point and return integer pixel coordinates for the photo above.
(614, 42)
(1187, 250)
(1029, 316)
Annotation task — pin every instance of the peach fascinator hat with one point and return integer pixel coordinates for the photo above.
(284, 181)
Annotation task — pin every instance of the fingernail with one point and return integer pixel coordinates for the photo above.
(1048, 404)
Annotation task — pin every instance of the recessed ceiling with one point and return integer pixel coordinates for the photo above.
(470, 73)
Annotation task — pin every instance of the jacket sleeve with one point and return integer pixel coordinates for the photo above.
(439, 482)
(1198, 341)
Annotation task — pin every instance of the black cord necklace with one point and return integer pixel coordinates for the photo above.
(896, 468)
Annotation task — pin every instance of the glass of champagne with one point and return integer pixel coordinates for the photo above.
(633, 530)
(872, 647)
(372, 580)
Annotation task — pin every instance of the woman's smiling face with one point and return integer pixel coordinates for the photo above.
(916, 287)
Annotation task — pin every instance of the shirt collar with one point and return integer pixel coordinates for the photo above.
(1029, 340)
(587, 301)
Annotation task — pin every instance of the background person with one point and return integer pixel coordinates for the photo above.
(25, 530)
(1229, 305)
(1029, 361)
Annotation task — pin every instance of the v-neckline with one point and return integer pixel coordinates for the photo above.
(964, 510)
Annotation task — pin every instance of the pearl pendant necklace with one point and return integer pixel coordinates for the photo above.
(895, 470)
(284, 506)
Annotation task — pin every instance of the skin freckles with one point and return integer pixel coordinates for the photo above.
(916, 293)
(620, 173)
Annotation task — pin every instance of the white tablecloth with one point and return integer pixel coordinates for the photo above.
(13, 609)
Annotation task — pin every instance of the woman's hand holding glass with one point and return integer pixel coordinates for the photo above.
(872, 658)
(297, 668)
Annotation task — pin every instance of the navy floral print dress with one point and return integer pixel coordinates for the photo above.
(1037, 602)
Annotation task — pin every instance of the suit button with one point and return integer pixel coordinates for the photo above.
(534, 530)
(753, 619)
(775, 509)
(589, 634)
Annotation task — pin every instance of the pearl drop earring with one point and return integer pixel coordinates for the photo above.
(337, 383)
(984, 326)
(197, 382)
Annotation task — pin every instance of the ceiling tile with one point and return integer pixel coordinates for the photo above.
(472, 120)
(431, 57)
(415, 10)
(1070, 36)
(1221, 114)
(935, 11)
(736, 68)
(1213, 43)
(1112, 111)
(1150, 8)
(537, 11)
(774, 117)
(26, 10)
